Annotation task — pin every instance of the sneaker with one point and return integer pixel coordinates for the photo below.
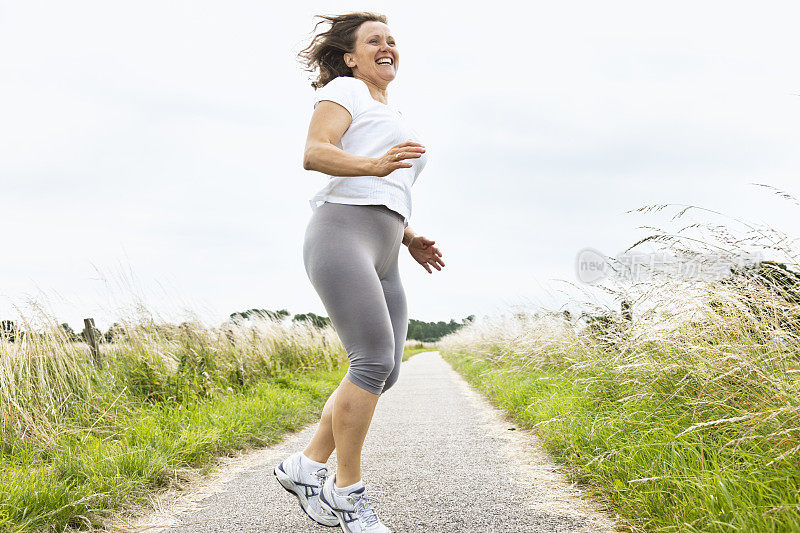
(354, 511)
(306, 486)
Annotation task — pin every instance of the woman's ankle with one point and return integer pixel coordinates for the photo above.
(314, 457)
(347, 488)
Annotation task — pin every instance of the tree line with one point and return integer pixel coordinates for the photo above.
(433, 331)
(417, 329)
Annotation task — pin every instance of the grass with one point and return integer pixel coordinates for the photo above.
(78, 441)
(636, 455)
(414, 347)
(81, 474)
(686, 418)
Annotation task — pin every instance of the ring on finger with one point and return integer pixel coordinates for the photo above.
(397, 155)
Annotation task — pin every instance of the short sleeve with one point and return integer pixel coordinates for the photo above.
(342, 91)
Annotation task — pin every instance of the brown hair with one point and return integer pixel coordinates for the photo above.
(326, 50)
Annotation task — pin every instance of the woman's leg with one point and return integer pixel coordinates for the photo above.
(322, 444)
(359, 314)
(345, 246)
(357, 407)
(352, 415)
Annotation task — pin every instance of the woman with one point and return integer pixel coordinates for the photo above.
(358, 222)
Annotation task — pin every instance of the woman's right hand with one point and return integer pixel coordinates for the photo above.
(394, 158)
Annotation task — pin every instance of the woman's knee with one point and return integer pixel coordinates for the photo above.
(398, 360)
(392, 379)
(372, 366)
(384, 366)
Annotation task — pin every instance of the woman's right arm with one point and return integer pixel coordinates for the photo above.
(328, 123)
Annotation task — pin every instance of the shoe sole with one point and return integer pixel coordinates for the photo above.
(292, 489)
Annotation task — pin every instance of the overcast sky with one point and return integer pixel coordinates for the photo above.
(156, 147)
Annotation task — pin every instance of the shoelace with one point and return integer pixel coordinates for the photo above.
(363, 506)
(322, 475)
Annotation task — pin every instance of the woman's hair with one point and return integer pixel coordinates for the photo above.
(326, 50)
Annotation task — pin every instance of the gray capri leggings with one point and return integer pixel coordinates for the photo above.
(350, 255)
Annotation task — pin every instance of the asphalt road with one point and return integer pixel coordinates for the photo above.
(446, 460)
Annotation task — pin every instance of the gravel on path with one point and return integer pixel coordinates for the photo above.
(443, 458)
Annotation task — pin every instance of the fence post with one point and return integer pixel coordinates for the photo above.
(231, 338)
(627, 314)
(91, 339)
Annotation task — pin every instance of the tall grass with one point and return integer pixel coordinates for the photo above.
(76, 440)
(413, 347)
(45, 377)
(686, 418)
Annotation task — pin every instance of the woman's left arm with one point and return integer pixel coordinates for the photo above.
(423, 250)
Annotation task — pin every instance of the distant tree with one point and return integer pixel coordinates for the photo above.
(433, 331)
(318, 321)
(772, 275)
(260, 313)
(278, 315)
(777, 279)
(115, 332)
(69, 332)
(9, 331)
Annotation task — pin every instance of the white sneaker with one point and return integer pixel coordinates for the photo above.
(355, 511)
(306, 486)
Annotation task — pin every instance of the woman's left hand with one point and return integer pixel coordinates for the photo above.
(425, 253)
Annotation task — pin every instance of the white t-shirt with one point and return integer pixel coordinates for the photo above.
(375, 128)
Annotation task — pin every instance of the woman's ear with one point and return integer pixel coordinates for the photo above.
(349, 60)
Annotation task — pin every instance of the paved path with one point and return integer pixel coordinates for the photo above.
(445, 458)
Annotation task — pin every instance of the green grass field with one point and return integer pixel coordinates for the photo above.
(645, 451)
(76, 477)
(78, 442)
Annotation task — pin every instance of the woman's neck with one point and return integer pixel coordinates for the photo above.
(377, 92)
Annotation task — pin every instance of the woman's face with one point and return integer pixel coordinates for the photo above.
(374, 43)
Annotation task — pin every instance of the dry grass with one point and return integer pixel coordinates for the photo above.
(686, 418)
(76, 440)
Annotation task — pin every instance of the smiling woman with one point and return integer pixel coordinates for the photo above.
(359, 222)
(326, 51)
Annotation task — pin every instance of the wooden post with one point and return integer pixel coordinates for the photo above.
(91, 339)
(231, 337)
(627, 314)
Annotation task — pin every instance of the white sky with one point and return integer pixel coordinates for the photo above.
(158, 145)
